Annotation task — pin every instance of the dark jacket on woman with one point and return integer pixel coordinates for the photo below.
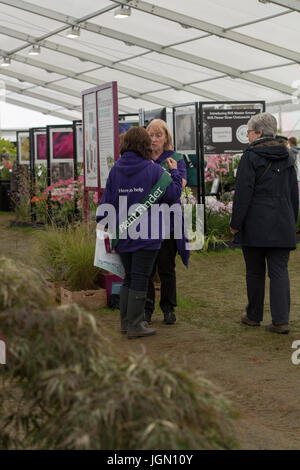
(266, 200)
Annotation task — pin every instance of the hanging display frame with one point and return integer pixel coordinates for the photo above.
(23, 147)
(194, 112)
(77, 146)
(60, 153)
(231, 136)
(100, 137)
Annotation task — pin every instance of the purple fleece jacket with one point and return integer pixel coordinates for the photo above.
(180, 242)
(133, 177)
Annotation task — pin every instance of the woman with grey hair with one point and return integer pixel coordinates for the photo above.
(265, 210)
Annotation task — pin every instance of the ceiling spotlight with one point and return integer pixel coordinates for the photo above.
(6, 61)
(35, 50)
(123, 12)
(74, 32)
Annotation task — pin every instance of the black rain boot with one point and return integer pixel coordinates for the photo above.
(135, 315)
(169, 317)
(123, 308)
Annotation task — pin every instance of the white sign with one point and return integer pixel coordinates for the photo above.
(90, 140)
(106, 132)
(222, 134)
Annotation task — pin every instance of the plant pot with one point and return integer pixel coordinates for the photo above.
(86, 298)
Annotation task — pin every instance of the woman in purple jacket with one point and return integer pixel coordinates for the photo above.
(162, 149)
(137, 184)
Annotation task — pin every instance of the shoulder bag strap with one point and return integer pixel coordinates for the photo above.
(266, 169)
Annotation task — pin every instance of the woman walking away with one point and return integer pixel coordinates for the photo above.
(136, 180)
(265, 210)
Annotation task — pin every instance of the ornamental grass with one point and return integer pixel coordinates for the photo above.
(67, 254)
(66, 387)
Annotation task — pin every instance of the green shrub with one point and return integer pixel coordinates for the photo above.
(21, 286)
(69, 388)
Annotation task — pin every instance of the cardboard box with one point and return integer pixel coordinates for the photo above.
(86, 298)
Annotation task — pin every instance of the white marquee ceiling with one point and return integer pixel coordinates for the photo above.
(167, 52)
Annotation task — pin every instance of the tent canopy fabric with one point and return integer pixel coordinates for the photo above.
(166, 52)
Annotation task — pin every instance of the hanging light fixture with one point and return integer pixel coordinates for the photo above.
(74, 32)
(123, 12)
(6, 61)
(35, 50)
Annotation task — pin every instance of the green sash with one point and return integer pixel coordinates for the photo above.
(152, 198)
(175, 156)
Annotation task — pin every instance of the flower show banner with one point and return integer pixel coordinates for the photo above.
(23, 154)
(108, 129)
(100, 136)
(90, 150)
(60, 152)
(224, 125)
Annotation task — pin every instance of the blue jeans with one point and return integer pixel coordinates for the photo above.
(138, 267)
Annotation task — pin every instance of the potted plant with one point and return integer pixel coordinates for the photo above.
(67, 254)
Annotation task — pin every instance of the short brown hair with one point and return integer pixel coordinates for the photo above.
(293, 141)
(136, 140)
(160, 124)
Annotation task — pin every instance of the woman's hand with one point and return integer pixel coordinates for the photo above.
(172, 164)
(233, 231)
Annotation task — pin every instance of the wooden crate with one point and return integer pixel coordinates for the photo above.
(86, 298)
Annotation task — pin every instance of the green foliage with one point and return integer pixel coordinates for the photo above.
(7, 148)
(218, 224)
(67, 388)
(211, 241)
(19, 286)
(67, 253)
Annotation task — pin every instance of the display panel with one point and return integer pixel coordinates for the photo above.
(79, 143)
(160, 113)
(61, 144)
(61, 171)
(106, 133)
(185, 130)
(225, 126)
(90, 141)
(23, 142)
(40, 147)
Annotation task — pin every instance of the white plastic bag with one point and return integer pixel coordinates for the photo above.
(103, 259)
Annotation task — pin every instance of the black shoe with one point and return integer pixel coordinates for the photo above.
(169, 317)
(148, 316)
(281, 329)
(247, 321)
